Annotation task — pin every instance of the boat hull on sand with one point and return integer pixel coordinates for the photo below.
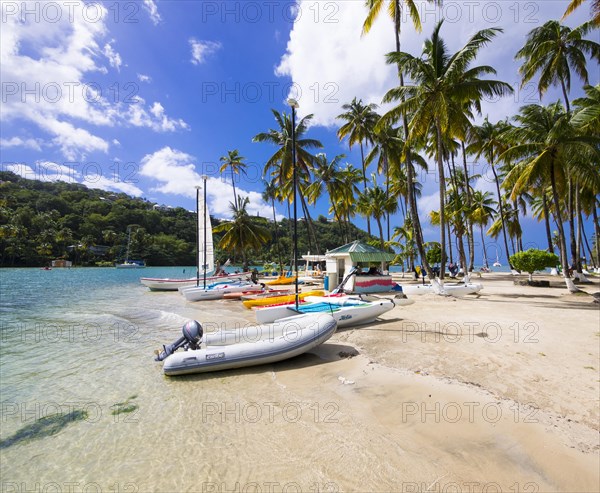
(449, 289)
(352, 313)
(298, 335)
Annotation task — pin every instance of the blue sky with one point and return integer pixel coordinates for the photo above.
(145, 96)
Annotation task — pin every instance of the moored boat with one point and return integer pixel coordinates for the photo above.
(277, 342)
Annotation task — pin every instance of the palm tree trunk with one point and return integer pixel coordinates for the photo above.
(462, 256)
(379, 225)
(411, 198)
(597, 229)
(587, 244)
(579, 242)
(364, 170)
(470, 237)
(233, 185)
(572, 233)
(275, 235)
(561, 233)
(485, 260)
(500, 207)
(442, 200)
(450, 244)
(309, 224)
(547, 221)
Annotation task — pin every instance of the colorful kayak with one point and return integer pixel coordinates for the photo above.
(352, 312)
(280, 299)
(282, 280)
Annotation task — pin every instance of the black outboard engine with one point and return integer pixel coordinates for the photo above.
(192, 335)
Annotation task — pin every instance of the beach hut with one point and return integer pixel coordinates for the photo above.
(343, 260)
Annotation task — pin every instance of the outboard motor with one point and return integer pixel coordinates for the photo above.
(192, 335)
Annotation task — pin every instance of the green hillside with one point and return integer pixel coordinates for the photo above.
(42, 221)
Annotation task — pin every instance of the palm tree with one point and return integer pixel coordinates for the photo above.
(374, 202)
(587, 120)
(388, 146)
(394, 10)
(489, 140)
(443, 85)
(280, 165)
(549, 149)
(235, 163)
(269, 195)
(360, 121)
(554, 50)
(242, 233)
(594, 10)
(587, 110)
(482, 210)
(346, 195)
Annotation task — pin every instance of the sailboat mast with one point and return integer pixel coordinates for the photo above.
(197, 236)
(294, 104)
(205, 262)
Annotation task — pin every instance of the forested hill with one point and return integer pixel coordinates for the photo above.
(41, 221)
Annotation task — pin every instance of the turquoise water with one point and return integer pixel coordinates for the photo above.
(81, 341)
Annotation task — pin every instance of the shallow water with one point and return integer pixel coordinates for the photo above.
(82, 340)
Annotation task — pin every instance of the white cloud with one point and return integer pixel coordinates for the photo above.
(175, 173)
(202, 49)
(19, 142)
(144, 78)
(152, 10)
(155, 118)
(104, 183)
(113, 57)
(331, 63)
(48, 73)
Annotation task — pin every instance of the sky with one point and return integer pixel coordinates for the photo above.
(144, 97)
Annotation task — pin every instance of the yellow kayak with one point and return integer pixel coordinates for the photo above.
(281, 280)
(276, 300)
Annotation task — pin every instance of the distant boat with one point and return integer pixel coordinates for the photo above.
(497, 262)
(130, 264)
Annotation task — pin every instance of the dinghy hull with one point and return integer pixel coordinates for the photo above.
(299, 335)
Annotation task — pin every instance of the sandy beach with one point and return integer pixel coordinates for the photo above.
(495, 392)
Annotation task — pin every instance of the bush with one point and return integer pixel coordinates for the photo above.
(532, 260)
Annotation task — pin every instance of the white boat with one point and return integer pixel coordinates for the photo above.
(217, 291)
(277, 342)
(166, 284)
(351, 312)
(206, 254)
(497, 262)
(450, 289)
(128, 264)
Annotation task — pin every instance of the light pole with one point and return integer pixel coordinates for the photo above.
(294, 105)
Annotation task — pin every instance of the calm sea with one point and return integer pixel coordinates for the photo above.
(84, 407)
